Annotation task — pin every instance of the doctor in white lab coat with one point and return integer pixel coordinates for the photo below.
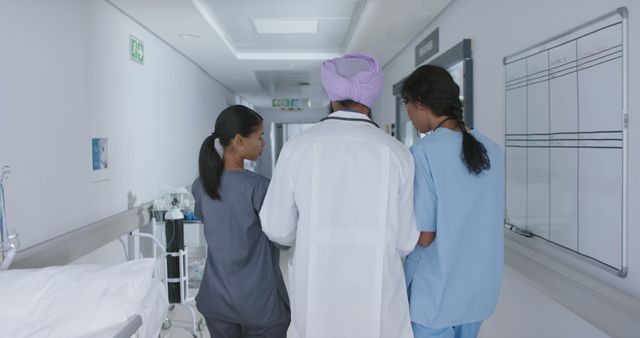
(342, 196)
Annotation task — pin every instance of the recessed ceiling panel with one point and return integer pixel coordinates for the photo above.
(240, 22)
(283, 82)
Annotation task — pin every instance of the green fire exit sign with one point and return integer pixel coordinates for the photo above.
(136, 49)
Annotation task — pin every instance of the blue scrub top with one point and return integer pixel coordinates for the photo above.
(456, 279)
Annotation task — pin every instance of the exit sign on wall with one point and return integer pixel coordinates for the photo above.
(290, 103)
(136, 49)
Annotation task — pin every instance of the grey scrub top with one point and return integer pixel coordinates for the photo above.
(242, 282)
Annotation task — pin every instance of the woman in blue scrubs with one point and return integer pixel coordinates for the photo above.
(242, 293)
(455, 273)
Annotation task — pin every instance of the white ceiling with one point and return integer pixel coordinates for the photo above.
(263, 66)
(336, 20)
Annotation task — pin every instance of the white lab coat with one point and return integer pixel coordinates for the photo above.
(342, 196)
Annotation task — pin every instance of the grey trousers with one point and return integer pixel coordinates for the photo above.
(222, 329)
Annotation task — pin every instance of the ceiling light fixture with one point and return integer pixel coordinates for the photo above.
(189, 36)
(286, 26)
(202, 8)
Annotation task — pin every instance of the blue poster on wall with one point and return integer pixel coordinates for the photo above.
(99, 153)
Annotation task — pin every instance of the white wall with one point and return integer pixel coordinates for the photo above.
(66, 77)
(276, 115)
(498, 28)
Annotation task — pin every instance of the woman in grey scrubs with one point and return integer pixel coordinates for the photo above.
(242, 292)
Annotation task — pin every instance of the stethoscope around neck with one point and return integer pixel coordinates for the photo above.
(349, 119)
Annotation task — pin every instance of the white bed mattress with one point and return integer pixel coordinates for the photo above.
(81, 300)
(154, 310)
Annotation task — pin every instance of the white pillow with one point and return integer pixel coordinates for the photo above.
(72, 300)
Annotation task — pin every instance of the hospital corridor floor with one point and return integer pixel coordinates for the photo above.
(181, 325)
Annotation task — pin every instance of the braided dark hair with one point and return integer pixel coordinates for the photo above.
(434, 88)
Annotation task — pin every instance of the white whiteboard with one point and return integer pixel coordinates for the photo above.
(566, 137)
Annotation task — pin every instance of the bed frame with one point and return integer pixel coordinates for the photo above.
(66, 248)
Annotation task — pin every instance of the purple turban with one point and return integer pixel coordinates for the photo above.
(356, 77)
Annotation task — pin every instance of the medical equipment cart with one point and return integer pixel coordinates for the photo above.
(185, 299)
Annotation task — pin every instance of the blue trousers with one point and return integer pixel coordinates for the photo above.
(469, 330)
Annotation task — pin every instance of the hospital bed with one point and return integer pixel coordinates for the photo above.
(43, 296)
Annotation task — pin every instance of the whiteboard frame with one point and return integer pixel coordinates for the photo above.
(619, 15)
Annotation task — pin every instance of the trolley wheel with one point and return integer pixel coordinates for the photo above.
(167, 324)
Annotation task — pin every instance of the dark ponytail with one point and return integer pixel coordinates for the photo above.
(434, 88)
(232, 121)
